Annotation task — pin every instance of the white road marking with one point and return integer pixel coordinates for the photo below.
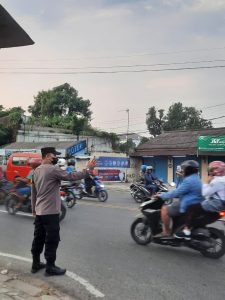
(89, 287)
(19, 213)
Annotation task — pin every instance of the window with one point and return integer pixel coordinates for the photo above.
(19, 161)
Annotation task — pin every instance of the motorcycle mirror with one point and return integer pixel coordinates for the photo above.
(173, 184)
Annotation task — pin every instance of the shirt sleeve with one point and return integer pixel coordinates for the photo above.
(64, 175)
(33, 197)
(212, 188)
(183, 189)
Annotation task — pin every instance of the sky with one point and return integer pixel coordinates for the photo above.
(120, 54)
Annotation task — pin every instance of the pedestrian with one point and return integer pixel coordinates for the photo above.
(46, 204)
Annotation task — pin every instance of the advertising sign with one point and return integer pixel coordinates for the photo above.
(76, 148)
(211, 143)
(113, 162)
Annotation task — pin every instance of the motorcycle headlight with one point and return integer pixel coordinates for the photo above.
(102, 185)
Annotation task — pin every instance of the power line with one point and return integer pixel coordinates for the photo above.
(111, 67)
(213, 106)
(116, 72)
(156, 53)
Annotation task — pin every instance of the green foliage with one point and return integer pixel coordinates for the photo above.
(127, 146)
(10, 120)
(144, 140)
(178, 117)
(60, 102)
(78, 125)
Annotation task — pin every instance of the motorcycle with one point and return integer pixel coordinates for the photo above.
(134, 186)
(12, 200)
(68, 194)
(5, 187)
(99, 189)
(209, 241)
(142, 194)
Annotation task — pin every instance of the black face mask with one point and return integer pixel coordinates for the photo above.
(54, 160)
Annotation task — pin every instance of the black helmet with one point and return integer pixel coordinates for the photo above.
(71, 162)
(190, 167)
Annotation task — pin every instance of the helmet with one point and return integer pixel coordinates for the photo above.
(61, 162)
(217, 168)
(35, 162)
(71, 162)
(190, 167)
(149, 168)
(143, 168)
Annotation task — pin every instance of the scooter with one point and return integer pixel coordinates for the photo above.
(209, 241)
(99, 189)
(142, 194)
(12, 200)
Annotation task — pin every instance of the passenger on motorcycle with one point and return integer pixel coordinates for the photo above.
(70, 166)
(22, 185)
(214, 193)
(149, 180)
(179, 175)
(189, 192)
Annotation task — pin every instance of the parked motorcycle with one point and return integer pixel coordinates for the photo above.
(142, 194)
(99, 190)
(12, 200)
(209, 241)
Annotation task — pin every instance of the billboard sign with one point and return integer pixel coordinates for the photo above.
(211, 143)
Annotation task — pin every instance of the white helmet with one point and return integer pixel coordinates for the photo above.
(61, 162)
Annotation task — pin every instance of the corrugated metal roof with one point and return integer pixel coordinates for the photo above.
(181, 142)
(11, 34)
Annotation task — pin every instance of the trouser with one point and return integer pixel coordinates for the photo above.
(152, 187)
(46, 233)
(196, 210)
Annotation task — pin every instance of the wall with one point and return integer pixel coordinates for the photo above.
(42, 135)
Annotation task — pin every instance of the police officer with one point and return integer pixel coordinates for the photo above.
(46, 204)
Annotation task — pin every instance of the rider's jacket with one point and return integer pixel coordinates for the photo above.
(149, 178)
(214, 193)
(189, 192)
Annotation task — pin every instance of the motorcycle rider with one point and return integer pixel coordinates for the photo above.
(70, 166)
(149, 180)
(189, 192)
(22, 185)
(214, 193)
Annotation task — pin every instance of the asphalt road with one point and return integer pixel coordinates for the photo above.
(96, 245)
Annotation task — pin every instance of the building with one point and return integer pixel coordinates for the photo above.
(168, 150)
(136, 138)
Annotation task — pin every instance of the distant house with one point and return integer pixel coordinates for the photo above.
(170, 149)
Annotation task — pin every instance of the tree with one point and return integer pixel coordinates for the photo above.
(144, 140)
(127, 146)
(10, 120)
(178, 117)
(78, 125)
(62, 101)
(153, 122)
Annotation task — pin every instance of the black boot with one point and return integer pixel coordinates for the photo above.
(37, 265)
(52, 270)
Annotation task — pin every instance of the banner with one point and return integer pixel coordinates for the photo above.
(113, 162)
(211, 143)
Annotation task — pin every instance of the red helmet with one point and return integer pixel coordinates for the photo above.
(217, 168)
(35, 162)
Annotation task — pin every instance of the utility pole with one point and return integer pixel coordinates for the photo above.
(128, 125)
